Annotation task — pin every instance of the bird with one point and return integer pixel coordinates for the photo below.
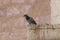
(30, 20)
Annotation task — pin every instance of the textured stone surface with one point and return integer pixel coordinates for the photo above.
(55, 11)
(13, 25)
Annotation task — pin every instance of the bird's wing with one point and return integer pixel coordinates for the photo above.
(32, 21)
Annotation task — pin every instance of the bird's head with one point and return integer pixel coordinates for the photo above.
(26, 16)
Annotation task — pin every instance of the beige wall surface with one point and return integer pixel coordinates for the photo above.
(55, 11)
(13, 25)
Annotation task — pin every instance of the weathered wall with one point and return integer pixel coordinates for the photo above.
(55, 11)
(13, 26)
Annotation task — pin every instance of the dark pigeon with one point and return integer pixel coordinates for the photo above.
(30, 20)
